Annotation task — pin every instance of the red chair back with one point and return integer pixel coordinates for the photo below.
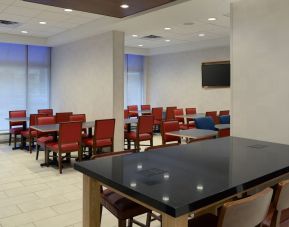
(170, 126)
(145, 124)
(145, 107)
(125, 113)
(104, 129)
(78, 117)
(170, 116)
(45, 120)
(178, 112)
(132, 108)
(224, 112)
(69, 133)
(33, 118)
(49, 112)
(63, 117)
(213, 115)
(157, 113)
(16, 114)
(191, 110)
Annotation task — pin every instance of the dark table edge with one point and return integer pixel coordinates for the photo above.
(183, 210)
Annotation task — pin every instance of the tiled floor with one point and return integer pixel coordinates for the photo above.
(33, 196)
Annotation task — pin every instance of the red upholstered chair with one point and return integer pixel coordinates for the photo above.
(213, 115)
(157, 113)
(122, 208)
(103, 135)
(170, 116)
(181, 120)
(30, 134)
(144, 131)
(125, 114)
(15, 128)
(48, 112)
(81, 118)
(145, 107)
(132, 110)
(63, 117)
(224, 132)
(224, 112)
(44, 138)
(191, 110)
(69, 141)
(170, 126)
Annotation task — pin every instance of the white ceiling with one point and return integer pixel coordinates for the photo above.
(64, 27)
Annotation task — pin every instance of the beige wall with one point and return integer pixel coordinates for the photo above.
(87, 77)
(260, 55)
(176, 79)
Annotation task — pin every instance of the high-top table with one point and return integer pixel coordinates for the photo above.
(179, 180)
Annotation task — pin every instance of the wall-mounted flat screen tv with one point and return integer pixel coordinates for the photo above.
(216, 74)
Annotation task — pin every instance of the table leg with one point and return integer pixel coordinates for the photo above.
(91, 202)
(169, 221)
(128, 131)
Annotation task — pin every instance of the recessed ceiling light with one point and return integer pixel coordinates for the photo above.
(201, 35)
(42, 22)
(68, 10)
(140, 45)
(168, 40)
(134, 36)
(212, 19)
(124, 6)
(24, 32)
(167, 28)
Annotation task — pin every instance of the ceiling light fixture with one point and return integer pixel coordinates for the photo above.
(68, 10)
(24, 32)
(168, 29)
(201, 35)
(212, 19)
(124, 6)
(42, 22)
(168, 40)
(140, 45)
(135, 36)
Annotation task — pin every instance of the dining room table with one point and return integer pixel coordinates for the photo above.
(184, 181)
(193, 134)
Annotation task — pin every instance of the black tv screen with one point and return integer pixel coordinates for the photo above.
(216, 74)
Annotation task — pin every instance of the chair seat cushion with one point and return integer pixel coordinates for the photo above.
(26, 133)
(99, 143)
(16, 130)
(120, 206)
(157, 122)
(207, 220)
(142, 137)
(42, 141)
(69, 147)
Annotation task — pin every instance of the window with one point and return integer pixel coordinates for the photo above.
(134, 80)
(24, 79)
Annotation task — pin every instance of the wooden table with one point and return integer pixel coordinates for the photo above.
(193, 134)
(180, 180)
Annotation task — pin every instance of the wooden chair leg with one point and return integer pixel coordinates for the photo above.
(15, 140)
(149, 218)
(21, 142)
(37, 151)
(121, 223)
(46, 154)
(10, 139)
(80, 154)
(30, 145)
(60, 162)
(130, 222)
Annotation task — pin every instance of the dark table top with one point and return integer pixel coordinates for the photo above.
(131, 121)
(222, 126)
(192, 116)
(17, 119)
(55, 127)
(180, 179)
(193, 133)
